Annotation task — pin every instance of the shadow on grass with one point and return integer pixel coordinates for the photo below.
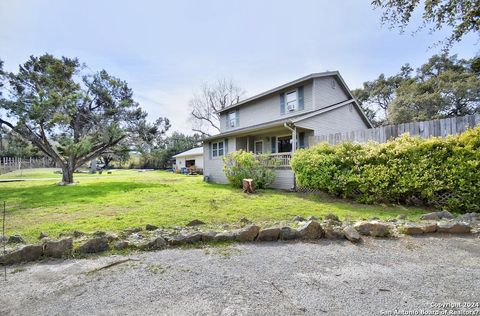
(54, 195)
(344, 205)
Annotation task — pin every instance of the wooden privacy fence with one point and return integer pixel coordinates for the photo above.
(8, 164)
(425, 129)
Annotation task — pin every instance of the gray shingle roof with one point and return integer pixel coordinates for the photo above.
(192, 152)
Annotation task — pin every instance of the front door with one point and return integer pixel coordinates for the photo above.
(284, 144)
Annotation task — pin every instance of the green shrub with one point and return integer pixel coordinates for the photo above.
(241, 165)
(436, 171)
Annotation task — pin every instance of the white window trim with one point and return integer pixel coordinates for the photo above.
(255, 146)
(230, 119)
(218, 149)
(296, 100)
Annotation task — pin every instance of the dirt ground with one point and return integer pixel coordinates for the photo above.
(377, 277)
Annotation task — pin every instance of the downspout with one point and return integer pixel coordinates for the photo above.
(294, 145)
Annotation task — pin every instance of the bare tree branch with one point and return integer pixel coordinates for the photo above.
(206, 104)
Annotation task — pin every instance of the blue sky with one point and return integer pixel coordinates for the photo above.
(167, 49)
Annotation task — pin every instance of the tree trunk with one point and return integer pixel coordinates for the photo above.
(248, 185)
(67, 176)
(106, 162)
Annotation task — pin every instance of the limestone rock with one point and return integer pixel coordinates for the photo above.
(454, 228)
(150, 227)
(94, 245)
(131, 230)
(333, 232)
(16, 239)
(351, 234)
(78, 234)
(58, 248)
(195, 222)
(136, 236)
(121, 244)
(311, 230)
(435, 216)
(430, 217)
(268, 234)
(312, 218)
(111, 237)
(244, 221)
(373, 228)
(185, 239)
(25, 254)
(287, 233)
(99, 233)
(298, 219)
(159, 231)
(429, 227)
(208, 236)
(445, 215)
(193, 238)
(156, 243)
(412, 229)
(248, 233)
(332, 217)
(225, 236)
(468, 217)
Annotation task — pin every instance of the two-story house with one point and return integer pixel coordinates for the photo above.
(281, 120)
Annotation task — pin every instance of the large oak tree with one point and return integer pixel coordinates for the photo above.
(462, 17)
(442, 87)
(70, 116)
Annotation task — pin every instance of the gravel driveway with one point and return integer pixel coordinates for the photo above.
(329, 278)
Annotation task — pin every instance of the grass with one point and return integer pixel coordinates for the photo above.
(129, 198)
(50, 173)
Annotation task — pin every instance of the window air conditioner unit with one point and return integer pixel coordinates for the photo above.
(291, 107)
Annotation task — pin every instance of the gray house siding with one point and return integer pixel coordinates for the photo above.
(284, 179)
(267, 109)
(341, 119)
(325, 93)
(213, 166)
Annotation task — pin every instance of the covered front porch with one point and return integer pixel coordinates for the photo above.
(279, 142)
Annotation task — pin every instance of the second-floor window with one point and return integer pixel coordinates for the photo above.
(232, 119)
(291, 100)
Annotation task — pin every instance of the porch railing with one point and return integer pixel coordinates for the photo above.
(280, 160)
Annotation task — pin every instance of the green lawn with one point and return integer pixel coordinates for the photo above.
(51, 173)
(130, 198)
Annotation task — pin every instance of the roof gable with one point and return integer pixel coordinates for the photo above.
(286, 86)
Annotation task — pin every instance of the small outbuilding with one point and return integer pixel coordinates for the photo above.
(189, 160)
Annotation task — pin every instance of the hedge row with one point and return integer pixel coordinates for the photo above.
(436, 171)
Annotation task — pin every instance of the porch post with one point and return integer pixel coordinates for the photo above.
(294, 139)
(293, 129)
